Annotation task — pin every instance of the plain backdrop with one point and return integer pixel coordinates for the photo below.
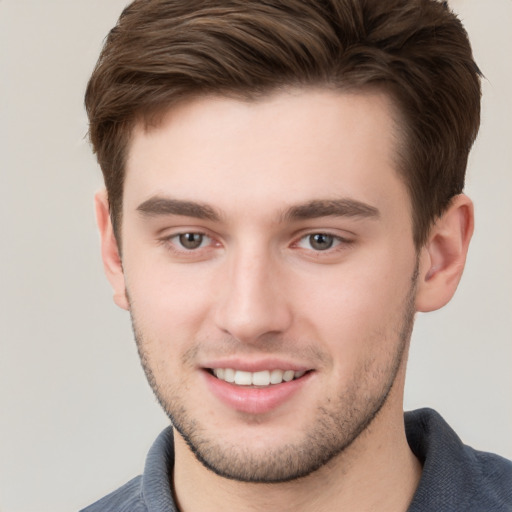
(76, 414)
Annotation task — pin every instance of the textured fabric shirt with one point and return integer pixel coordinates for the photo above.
(455, 477)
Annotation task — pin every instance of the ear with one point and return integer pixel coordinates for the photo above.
(109, 250)
(443, 257)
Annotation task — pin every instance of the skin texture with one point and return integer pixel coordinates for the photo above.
(255, 182)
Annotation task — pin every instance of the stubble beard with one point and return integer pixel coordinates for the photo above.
(334, 427)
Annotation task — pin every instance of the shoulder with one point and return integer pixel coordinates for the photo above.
(494, 475)
(150, 491)
(455, 476)
(127, 498)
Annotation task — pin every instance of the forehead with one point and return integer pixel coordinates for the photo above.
(288, 147)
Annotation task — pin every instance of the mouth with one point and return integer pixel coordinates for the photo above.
(263, 379)
(257, 392)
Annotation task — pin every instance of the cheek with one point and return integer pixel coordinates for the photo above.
(355, 295)
(358, 308)
(167, 303)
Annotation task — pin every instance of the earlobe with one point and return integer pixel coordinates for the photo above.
(443, 257)
(110, 250)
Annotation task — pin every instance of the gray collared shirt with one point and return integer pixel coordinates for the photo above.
(455, 478)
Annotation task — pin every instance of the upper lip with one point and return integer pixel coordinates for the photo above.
(256, 365)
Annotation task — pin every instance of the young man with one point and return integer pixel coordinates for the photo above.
(283, 192)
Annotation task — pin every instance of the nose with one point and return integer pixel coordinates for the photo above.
(252, 301)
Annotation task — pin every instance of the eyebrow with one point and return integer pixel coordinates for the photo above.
(159, 206)
(331, 208)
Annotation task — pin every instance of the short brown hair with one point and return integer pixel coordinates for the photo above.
(162, 51)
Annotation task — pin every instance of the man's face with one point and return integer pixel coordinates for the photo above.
(267, 241)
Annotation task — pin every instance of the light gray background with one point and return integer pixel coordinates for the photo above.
(76, 415)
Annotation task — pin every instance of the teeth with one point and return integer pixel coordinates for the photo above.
(229, 375)
(288, 375)
(243, 378)
(276, 376)
(263, 378)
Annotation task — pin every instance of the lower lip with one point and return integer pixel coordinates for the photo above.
(253, 400)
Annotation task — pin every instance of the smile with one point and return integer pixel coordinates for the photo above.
(261, 378)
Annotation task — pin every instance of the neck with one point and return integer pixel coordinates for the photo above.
(378, 471)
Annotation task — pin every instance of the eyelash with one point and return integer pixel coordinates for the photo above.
(335, 243)
(174, 243)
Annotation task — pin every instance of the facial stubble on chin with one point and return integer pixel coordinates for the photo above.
(335, 424)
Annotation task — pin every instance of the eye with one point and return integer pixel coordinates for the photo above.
(318, 241)
(191, 241)
(321, 241)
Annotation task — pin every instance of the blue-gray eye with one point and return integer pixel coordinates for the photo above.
(321, 241)
(191, 240)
